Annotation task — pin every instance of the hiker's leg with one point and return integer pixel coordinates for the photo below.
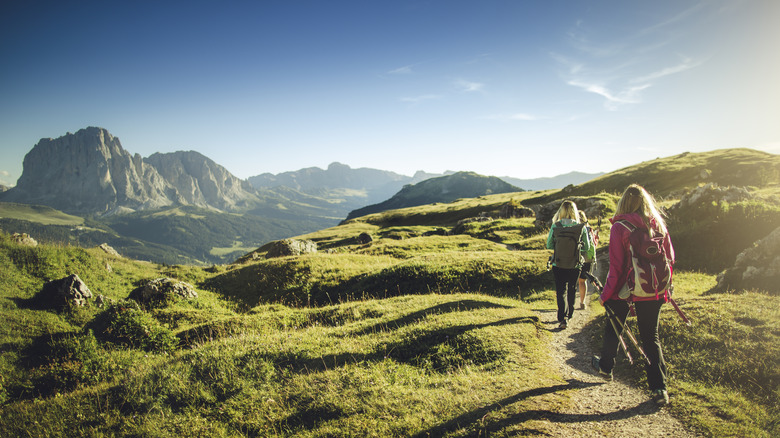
(583, 290)
(560, 292)
(647, 315)
(611, 344)
(571, 290)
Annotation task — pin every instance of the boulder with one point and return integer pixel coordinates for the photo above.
(163, 289)
(757, 267)
(108, 250)
(710, 194)
(24, 239)
(69, 291)
(291, 247)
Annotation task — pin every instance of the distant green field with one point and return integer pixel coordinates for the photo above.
(37, 213)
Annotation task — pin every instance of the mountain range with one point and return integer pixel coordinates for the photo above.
(184, 207)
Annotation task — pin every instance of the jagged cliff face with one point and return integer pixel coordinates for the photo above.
(202, 182)
(90, 172)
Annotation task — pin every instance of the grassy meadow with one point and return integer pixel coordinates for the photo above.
(417, 333)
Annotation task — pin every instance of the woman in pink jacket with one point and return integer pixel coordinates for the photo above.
(635, 210)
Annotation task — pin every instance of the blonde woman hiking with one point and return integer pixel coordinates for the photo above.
(637, 220)
(569, 239)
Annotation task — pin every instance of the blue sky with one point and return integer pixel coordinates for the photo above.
(508, 88)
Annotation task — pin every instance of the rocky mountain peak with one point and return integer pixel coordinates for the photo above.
(89, 172)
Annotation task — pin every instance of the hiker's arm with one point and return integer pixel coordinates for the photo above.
(550, 243)
(618, 242)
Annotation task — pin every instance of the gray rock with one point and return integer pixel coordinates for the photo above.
(67, 291)
(24, 239)
(163, 289)
(757, 267)
(108, 250)
(291, 247)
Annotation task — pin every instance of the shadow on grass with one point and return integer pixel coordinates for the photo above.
(448, 307)
(414, 350)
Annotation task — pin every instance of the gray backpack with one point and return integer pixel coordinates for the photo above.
(568, 245)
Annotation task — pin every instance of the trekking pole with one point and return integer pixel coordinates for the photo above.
(633, 340)
(610, 316)
(685, 319)
(594, 281)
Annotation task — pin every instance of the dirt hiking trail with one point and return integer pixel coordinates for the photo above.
(600, 408)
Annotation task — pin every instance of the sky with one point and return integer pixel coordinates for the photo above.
(526, 89)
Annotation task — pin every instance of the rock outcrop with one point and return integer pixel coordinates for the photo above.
(24, 239)
(200, 181)
(291, 247)
(89, 172)
(163, 289)
(757, 267)
(710, 194)
(65, 292)
(109, 250)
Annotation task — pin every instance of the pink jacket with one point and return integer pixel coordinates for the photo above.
(620, 255)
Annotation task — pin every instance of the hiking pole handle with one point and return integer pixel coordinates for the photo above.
(680, 312)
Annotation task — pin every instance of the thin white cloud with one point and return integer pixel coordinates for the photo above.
(468, 86)
(675, 19)
(614, 100)
(4, 175)
(687, 64)
(421, 98)
(405, 70)
(573, 67)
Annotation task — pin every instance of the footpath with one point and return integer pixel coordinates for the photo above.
(600, 408)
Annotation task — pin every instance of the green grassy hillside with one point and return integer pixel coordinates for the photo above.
(441, 189)
(668, 176)
(37, 213)
(430, 329)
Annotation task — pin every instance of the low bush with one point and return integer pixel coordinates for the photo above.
(124, 323)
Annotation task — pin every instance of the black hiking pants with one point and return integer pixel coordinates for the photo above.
(566, 284)
(647, 314)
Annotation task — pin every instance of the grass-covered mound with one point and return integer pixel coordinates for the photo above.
(668, 176)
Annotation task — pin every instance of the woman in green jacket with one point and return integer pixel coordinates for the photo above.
(569, 239)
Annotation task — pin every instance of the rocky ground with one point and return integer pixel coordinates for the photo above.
(600, 408)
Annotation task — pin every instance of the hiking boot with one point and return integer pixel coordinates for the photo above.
(661, 397)
(582, 306)
(562, 325)
(596, 366)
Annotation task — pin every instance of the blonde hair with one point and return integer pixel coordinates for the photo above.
(583, 217)
(567, 210)
(636, 199)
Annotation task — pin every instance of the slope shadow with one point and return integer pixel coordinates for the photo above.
(448, 307)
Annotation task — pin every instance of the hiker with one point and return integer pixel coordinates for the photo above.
(568, 238)
(589, 260)
(636, 211)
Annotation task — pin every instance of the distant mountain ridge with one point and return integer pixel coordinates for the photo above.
(441, 189)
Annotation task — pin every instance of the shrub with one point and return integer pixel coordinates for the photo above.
(124, 323)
